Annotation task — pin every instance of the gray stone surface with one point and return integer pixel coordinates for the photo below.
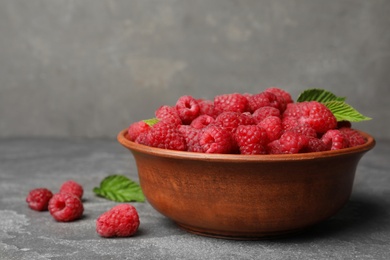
(361, 230)
(88, 68)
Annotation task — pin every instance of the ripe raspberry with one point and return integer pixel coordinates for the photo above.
(265, 99)
(353, 136)
(264, 112)
(65, 207)
(216, 139)
(288, 143)
(282, 93)
(335, 140)
(120, 221)
(312, 113)
(166, 136)
(187, 108)
(38, 199)
(168, 114)
(342, 124)
(191, 136)
(231, 120)
(304, 129)
(234, 102)
(207, 108)
(290, 122)
(272, 125)
(251, 139)
(73, 187)
(202, 121)
(314, 145)
(136, 129)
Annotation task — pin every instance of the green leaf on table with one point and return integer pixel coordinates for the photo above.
(319, 95)
(119, 188)
(343, 111)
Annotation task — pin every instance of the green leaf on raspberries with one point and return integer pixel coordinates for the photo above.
(343, 111)
(319, 95)
(119, 188)
(151, 121)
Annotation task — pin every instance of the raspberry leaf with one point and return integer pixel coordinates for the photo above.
(119, 188)
(151, 121)
(343, 111)
(319, 95)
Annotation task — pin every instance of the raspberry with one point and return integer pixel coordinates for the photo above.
(120, 221)
(335, 140)
(207, 108)
(314, 145)
(264, 112)
(265, 99)
(136, 129)
(191, 136)
(342, 124)
(353, 136)
(288, 143)
(231, 102)
(282, 93)
(216, 139)
(38, 199)
(168, 114)
(65, 207)
(166, 136)
(231, 120)
(251, 139)
(290, 122)
(272, 125)
(73, 187)
(202, 121)
(187, 108)
(304, 129)
(312, 113)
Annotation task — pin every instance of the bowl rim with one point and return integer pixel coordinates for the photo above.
(160, 152)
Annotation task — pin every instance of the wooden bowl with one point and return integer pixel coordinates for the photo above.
(246, 197)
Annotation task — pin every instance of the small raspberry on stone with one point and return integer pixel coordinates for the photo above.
(231, 120)
(168, 114)
(120, 221)
(202, 121)
(272, 125)
(38, 199)
(73, 187)
(234, 102)
(251, 139)
(166, 136)
(65, 207)
(135, 129)
(264, 112)
(216, 139)
(353, 136)
(288, 143)
(264, 99)
(335, 140)
(187, 108)
(191, 136)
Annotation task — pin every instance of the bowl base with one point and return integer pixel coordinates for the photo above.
(231, 235)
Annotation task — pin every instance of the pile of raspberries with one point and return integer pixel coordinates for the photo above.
(269, 122)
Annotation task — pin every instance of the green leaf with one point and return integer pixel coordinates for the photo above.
(119, 188)
(343, 111)
(319, 95)
(151, 121)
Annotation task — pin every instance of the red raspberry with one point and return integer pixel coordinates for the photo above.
(187, 108)
(353, 136)
(288, 143)
(216, 139)
(335, 140)
(168, 114)
(65, 207)
(231, 102)
(73, 187)
(120, 221)
(290, 122)
(314, 145)
(38, 199)
(272, 125)
(304, 129)
(136, 129)
(265, 99)
(191, 136)
(231, 120)
(312, 113)
(207, 108)
(251, 139)
(342, 124)
(264, 112)
(282, 93)
(166, 136)
(202, 121)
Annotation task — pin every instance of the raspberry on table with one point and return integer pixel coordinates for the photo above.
(168, 114)
(202, 121)
(335, 139)
(264, 112)
(251, 139)
(166, 136)
(288, 143)
(265, 99)
(73, 187)
(216, 139)
(38, 199)
(120, 221)
(231, 120)
(272, 125)
(234, 102)
(135, 129)
(65, 207)
(187, 108)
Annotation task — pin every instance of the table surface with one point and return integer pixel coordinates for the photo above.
(361, 230)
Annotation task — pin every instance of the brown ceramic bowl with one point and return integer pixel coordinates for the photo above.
(246, 196)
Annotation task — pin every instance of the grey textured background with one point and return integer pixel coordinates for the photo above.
(89, 68)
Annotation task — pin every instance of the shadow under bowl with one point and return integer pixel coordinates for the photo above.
(246, 197)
